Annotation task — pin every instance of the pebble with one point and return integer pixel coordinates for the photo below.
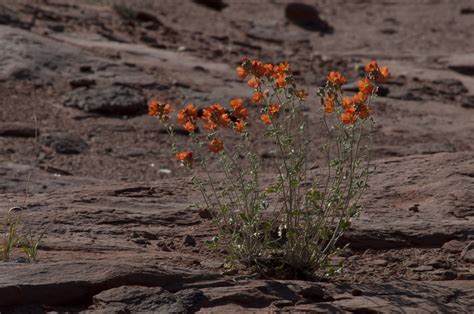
(423, 268)
(379, 262)
(453, 246)
(437, 263)
(446, 274)
(467, 253)
(189, 240)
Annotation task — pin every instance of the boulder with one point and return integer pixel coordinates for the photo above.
(64, 143)
(113, 100)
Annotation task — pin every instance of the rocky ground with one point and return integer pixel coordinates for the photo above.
(80, 159)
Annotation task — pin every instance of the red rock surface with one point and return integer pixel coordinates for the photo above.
(117, 212)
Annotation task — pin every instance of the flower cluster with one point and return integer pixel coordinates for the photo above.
(274, 76)
(160, 110)
(267, 79)
(239, 113)
(241, 203)
(187, 118)
(213, 118)
(357, 106)
(185, 157)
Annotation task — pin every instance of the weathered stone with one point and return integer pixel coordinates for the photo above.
(312, 293)
(453, 246)
(467, 253)
(468, 102)
(189, 240)
(217, 5)
(18, 129)
(445, 274)
(64, 142)
(379, 262)
(82, 82)
(422, 268)
(150, 299)
(113, 100)
(463, 64)
(465, 276)
(307, 17)
(437, 263)
(63, 283)
(204, 213)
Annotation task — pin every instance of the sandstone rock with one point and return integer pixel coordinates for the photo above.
(82, 82)
(150, 299)
(465, 276)
(204, 213)
(437, 263)
(453, 246)
(27, 56)
(445, 274)
(463, 64)
(217, 5)
(113, 100)
(62, 283)
(314, 293)
(307, 17)
(432, 148)
(467, 10)
(467, 253)
(189, 240)
(379, 262)
(64, 142)
(17, 129)
(423, 268)
(468, 102)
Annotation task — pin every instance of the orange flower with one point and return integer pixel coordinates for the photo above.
(329, 105)
(351, 110)
(187, 117)
(253, 83)
(239, 111)
(257, 97)
(186, 157)
(266, 119)
(273, 109)
(215, 116)
(363, 111)
(280, 81)
(153, 108)
(336, 78)
(283, 67)
(236, 103)
(258, 68)
(371, 67)
(348, 118)
(301, 94)
(240, 126)
(366, 87)
(268, 69)
(241, 72)
(160, 110)
(384, 73)
(346, 102)
(189, 126)
(216, 145)
(225, 119)
(359, 98)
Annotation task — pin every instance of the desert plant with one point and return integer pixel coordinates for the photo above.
(295, 221)
(9, 238)
(30, 246)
